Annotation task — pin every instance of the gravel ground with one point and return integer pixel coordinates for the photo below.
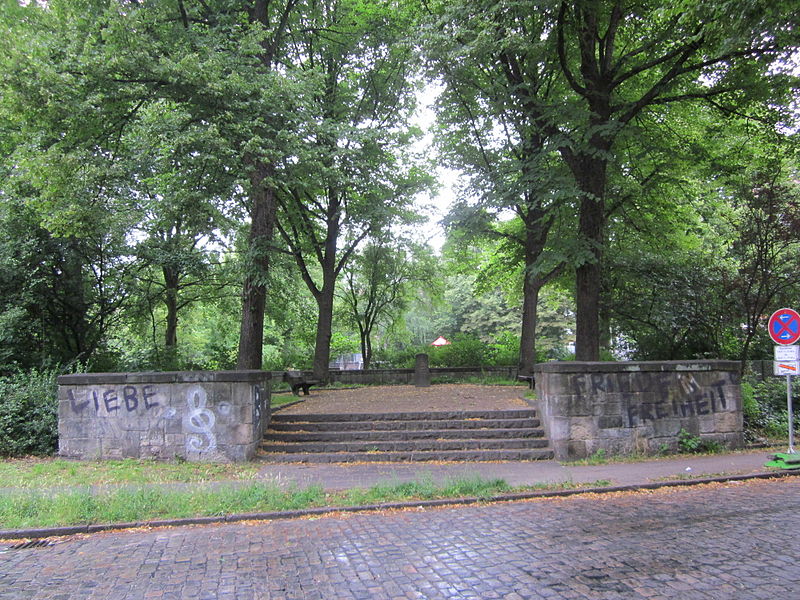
(407, 398)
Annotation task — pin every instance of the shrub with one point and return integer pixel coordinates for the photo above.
(464, 351)
(506, 349)
(29, 413)
(690, 443)
(764, 405)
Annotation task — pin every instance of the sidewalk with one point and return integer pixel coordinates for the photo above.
(346, 476)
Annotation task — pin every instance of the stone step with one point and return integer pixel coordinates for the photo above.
(403, 435)
(401, 425)
(407, 446)
(444, 456)
(527, 413)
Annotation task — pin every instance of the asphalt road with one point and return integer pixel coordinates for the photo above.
(736, 541)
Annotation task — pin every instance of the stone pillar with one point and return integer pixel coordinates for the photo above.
(630, 407)
(422, 373)
(215, 416)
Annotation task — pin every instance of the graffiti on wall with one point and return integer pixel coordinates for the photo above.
(109, 401)
(199, 421)
(699, 404)
(670, 395)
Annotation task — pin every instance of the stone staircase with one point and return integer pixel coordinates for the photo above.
(466, 436)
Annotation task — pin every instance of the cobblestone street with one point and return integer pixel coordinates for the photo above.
(721, 541)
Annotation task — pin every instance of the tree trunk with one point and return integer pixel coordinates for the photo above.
(254, 291)
(527, 346)
(69, 308)
(171, 303)
(322, 346)
(324, 297)
(366, 352)
(537, 228)
(592, 183)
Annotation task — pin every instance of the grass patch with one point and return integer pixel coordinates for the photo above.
(31, 508)
(601, 458)
(479, 380)
(687, 476)
(563, 485)
(282, 400)
(38, 473)
(34, 509)
(426, 489)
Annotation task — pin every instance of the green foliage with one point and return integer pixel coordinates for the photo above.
(663, 304)
(463, 351)
(505, 349)
(28, 413)
(750, 407)
(764, 406)
(134, 143)
(598, 457)
(694, 444)
(485, 314)
(35, 509)
(688, 442)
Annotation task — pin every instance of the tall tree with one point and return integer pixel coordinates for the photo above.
(376, 282)
(357, 180)
(84, 71)
(622, 59)
(617, 61)
(497, 64)
(184, 203)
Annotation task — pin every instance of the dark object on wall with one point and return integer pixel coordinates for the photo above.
(298, 381)
(422, 372)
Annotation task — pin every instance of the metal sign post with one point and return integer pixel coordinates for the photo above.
(784, 329)
(786, 363)
(791, 415)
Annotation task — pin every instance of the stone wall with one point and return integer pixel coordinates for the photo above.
(629, 407)
(217, 416)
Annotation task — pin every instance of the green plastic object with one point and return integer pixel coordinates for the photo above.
(783, 460)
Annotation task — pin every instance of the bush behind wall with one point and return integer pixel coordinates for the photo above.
(29, 413)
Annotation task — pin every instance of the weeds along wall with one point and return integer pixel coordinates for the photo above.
(214, 416)
(630, 407)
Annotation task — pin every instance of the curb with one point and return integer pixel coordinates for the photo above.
(327, 510)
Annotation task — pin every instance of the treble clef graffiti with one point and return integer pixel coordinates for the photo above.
(200, 422)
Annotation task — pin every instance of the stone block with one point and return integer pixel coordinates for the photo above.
(77, 447)
(154, 436)
(576, 449)
(733, 440)
(666, 427)
(241, 453)
(582, 428)
(728, 422)
(131, 447)
(708, 424)
(580, 406)
(559, 428)
(112, 452)
(613, 433)
(610, 422)
(561, 449)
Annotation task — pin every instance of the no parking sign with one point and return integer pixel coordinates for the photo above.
(784, 326)
(784, 329)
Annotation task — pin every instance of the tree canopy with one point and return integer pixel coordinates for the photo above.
(210, 184)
